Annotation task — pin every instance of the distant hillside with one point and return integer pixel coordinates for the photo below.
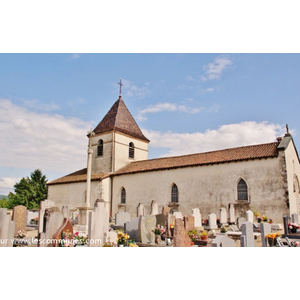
(3, 196)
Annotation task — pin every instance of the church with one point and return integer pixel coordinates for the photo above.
(263, 178)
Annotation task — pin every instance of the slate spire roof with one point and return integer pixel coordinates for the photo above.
(120, 119)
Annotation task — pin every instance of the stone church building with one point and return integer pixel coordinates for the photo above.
(263, 177)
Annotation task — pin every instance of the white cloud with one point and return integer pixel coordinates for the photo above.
(7, 185)
(38, 105)
(129, 89)
(215, 69)
(227, 136)
(171, 107)
(39, 140)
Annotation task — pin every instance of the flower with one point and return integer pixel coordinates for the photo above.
(79, 240)
(159, 229)
(193, 234)
(110, 244)
(122, 237)
(21, 234)
(257, 214)
(204, 233)
(172, 225)
(293, 226)
(265, 219)
(273, 235)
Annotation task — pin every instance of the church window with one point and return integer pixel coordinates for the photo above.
(174, 193)
(242, 190)
(100, 148)
(131, 150)
(123, 196)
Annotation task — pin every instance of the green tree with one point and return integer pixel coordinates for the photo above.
(29, 191)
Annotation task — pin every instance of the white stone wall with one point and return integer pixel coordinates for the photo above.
(207, 187)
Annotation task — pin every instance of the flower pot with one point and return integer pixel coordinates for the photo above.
(172, 231)
(294, 230)
(157, 239)
(271, 242)
(192, 243)
(204, 237)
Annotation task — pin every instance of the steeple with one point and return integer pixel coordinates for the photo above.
(120, 119)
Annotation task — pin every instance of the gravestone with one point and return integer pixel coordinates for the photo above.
(165, 210)
(121, 218)
(222, 241)
(154, 208)
(65, 211)
(286, 221)
(223, 216)
(181, 238)
(231, 213)
(43, 206)
(7, 229)
(111, 237)
(212, 221)
(140, 210)
(147, 224)
(249, 216)
(20, 217)
(132, 229)
(247, 237)
(160, 219)
(178, 215)
(63, 237)
(265, 229)
(295, 219)
(189, 223)
(197, 217)
(98, 224)
(241, 220)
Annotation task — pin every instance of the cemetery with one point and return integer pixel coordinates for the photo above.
(52, 226)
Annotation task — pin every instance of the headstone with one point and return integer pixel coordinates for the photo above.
(222, 241)
(65, 211)
(247, 238)
(212, 221)
(265, 229)
(223, 215)
(241, 220)
(154, 208)
(20, 217)
(295, 219)
(189, 223)
(231, 213)
(121, 218)
(178, 215)
(234, 228)
(160, 219)
(197, 217)
(63, 237)
(7, 227)
(132, 229)
(43, 206)
(249, 216)
(148, 222)
(286, 221)
(111, 237)
(140, 210)
(98, 224)
(181, 238)
(165, 210)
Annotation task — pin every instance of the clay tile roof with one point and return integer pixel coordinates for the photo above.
(120, 119)
(77, 176)
(214, 157)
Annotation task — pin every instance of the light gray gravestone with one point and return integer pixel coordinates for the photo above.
(121, 218)
(154, 208)
(265, 229)
(222, 241)
(241, 220)
(140, 210)
(132, 229)
(212, 221)
(247, 238)
(223, 215)
(231, 213)
(249, 216)
(7, 229)
(148, 223)
(295, 219)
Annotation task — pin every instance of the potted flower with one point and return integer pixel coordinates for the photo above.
(172, 225)
(205, 222)
(158, 231)
(223, 229)
(193, 234)
(293, 227)
(272, 238)
(21, 234)
(122, 238)
(110, 244)
(259, 219)
(265, 218)
(79, 239)
(204, 235)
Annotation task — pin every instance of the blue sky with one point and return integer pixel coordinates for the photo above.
(184, 103)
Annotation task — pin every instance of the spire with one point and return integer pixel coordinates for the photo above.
(120, 119)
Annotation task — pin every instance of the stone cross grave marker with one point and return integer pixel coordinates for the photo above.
(20, 217)
(197, 217)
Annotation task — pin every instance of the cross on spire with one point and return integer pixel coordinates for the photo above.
(120, 83)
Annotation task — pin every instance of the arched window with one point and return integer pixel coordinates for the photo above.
(174, 193)
(123, 196)
(131, 150)
(100, 148)
(242, 190)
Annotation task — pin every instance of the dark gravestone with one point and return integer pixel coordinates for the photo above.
(64, 235)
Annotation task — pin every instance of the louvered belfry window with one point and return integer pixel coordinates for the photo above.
(242, 190)
(174, 193)
(131, 150)
(100, 148)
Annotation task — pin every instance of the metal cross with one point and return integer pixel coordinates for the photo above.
(120, 83)
(287, 128)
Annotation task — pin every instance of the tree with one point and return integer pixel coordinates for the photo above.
(29, 191)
